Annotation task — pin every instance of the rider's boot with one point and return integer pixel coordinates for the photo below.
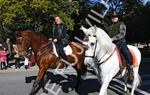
(131, 72)
(64, 57)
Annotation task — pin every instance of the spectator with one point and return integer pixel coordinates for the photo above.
(16, 56)
(27, 58)
(9, 48)
(32, 60)
(3, 57)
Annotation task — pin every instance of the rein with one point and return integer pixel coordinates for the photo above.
(105, 59)
(43, 47)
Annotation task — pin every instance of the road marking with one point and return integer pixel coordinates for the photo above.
(130, 86)
(116, 89)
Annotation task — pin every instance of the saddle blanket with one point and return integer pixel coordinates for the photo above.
(134, 59)
(67, 50)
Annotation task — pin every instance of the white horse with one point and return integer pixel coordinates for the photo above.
(104, 51)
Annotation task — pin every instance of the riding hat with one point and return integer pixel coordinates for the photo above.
(114, 14)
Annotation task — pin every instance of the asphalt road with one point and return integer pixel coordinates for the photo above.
(19, 82)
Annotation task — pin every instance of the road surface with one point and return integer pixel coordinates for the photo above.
(19, 82)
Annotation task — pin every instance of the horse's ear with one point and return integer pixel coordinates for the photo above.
(95, 27)
(83, 29)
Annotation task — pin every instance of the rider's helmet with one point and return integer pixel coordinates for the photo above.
(114, 17)
(114, 14)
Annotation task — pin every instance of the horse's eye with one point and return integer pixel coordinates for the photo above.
(94, 35)
(92, 44)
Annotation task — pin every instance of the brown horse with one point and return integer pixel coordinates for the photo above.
(46, 57)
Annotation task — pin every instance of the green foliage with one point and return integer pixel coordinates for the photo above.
(39, 15)
(36, 14)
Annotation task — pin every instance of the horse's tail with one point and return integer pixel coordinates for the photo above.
(137, 78)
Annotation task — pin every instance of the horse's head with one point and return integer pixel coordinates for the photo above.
(90, 31)
(23, 42)
(99, 43)
(91, 50)
(91, 41)
(103, 40)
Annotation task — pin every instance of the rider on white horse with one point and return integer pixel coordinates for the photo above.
(107, 62)
(117, 32)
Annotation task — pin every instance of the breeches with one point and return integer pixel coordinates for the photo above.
(126, 52)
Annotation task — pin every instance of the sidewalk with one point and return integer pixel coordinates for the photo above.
(35, 68)
(13, 69)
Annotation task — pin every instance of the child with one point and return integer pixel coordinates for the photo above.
(3, 58)
(27, 58)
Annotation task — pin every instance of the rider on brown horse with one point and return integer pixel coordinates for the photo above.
(59, 36)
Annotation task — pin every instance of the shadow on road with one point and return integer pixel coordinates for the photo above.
(85, 87)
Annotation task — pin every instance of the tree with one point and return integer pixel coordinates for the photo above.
(35, 14)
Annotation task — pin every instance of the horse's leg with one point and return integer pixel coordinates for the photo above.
(78, 79)
(125, 79)
(41, 73)
(136, 80)
(104, 86)
(97, 71)
(45, 80)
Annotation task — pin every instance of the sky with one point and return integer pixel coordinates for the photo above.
(104, 0)
(146, 1)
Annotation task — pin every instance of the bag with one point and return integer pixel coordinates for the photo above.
(65, 40)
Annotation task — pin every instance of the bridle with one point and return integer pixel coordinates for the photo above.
(92, 56)
(23, 49)
(99, 60)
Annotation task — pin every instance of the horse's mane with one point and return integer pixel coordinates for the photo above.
(104, 40)
(38, 38)
(38, 34)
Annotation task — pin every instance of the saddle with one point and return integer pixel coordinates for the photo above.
(123, 62)
(67, 49)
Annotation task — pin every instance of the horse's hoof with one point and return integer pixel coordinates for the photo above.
(45, 91)
(31, 94)
(76, 89)
(127, 92)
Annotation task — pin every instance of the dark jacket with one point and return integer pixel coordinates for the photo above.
(60, 33)
(117, 31)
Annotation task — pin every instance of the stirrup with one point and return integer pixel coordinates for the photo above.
(131, 76)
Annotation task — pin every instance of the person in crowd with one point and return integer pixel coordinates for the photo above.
(16, 56)
(32, 60)
(3, 57)
(9, 47)
(27, 58)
